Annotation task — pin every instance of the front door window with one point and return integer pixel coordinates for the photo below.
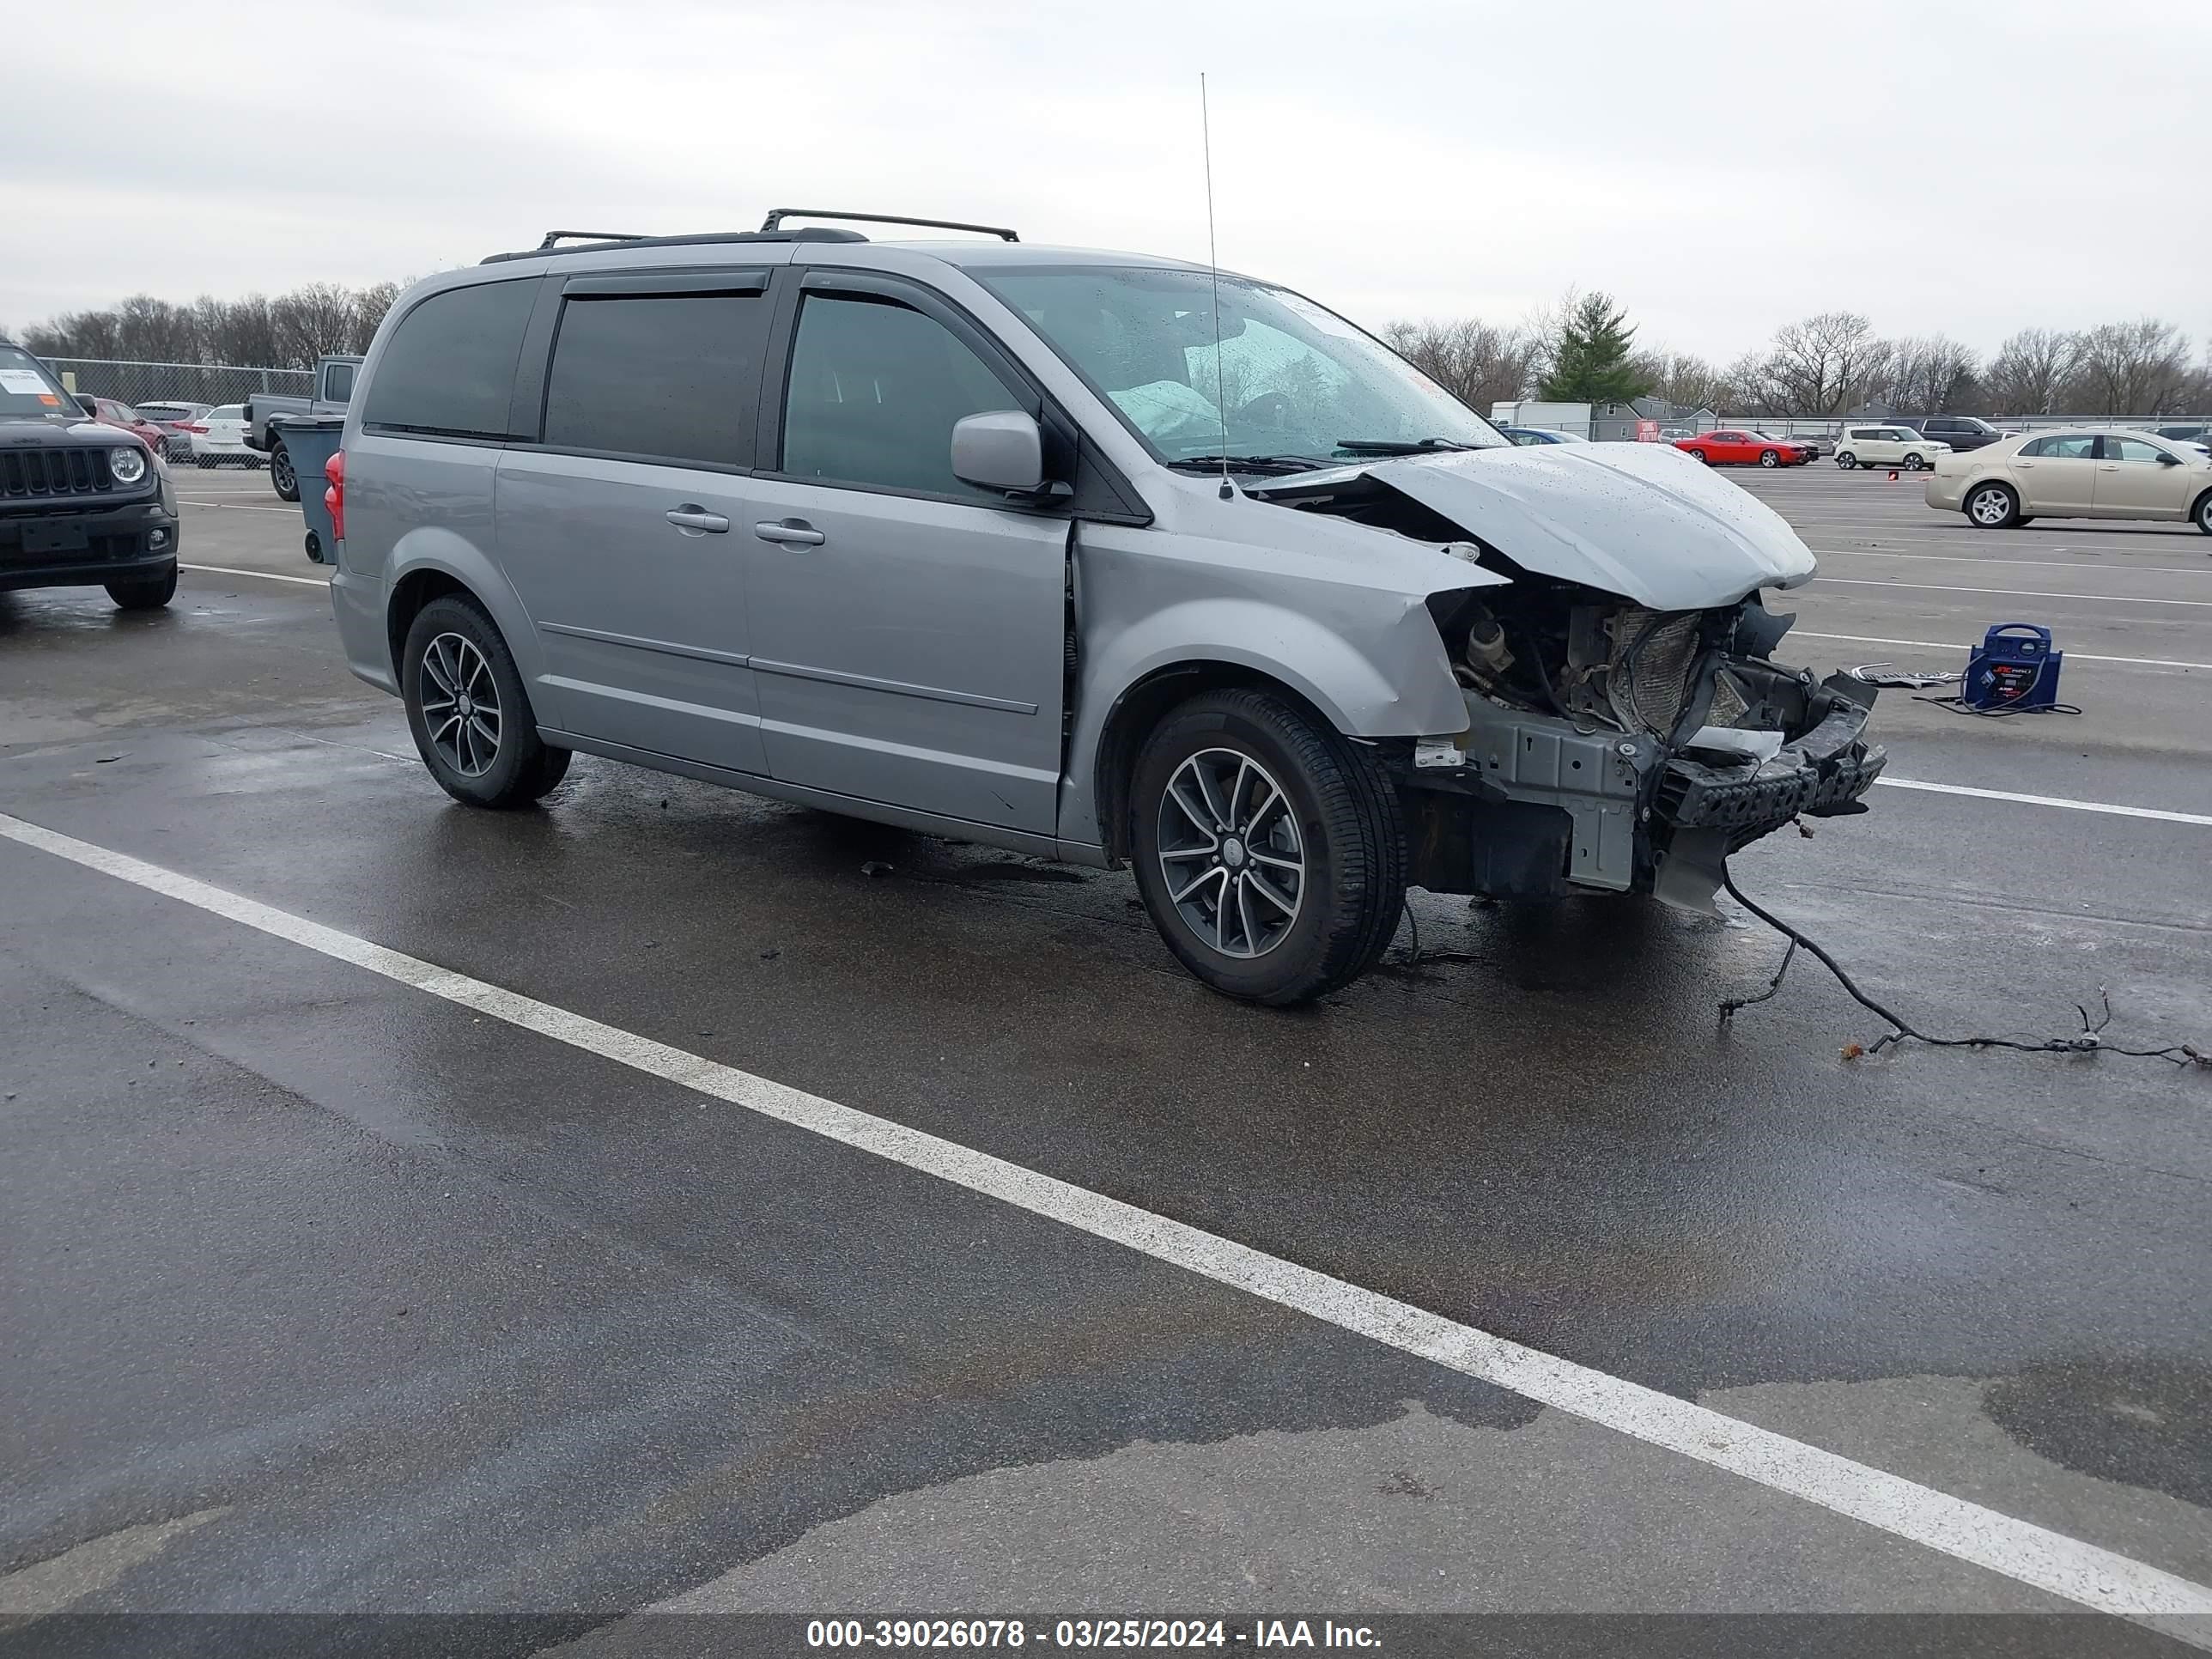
(874, 392)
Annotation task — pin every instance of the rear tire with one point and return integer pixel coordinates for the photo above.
(1847, 460)
(1992, 507)
(483, 750)
(144, 593)
(1291, 812)
(287, 484)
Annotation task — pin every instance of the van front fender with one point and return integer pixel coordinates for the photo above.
(1383, 675)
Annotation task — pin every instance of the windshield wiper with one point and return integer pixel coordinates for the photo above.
(1249, 462)
(1398, 446)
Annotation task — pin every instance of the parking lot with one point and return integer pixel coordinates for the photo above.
(685, 1212)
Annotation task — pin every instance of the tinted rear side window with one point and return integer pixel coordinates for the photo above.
(667, 377)
(449, 370)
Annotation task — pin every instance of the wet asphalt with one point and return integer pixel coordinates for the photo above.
(321, 1295)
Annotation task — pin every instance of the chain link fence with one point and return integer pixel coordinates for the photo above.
(214, 384)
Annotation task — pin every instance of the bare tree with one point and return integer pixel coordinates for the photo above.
(1684, 378)
(2141, 367)
(1824, 364)
(1929, 374)
(1748, 387)
(241, 330)
(2030, 370)
(370, 306)
(289, 331)
(155, 330)
(1476, 362)
(310, 321)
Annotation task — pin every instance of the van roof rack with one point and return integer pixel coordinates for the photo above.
(555, 238)
(601, 243)
(776, 218)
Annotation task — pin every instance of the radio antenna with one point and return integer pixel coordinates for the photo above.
(1213, 259)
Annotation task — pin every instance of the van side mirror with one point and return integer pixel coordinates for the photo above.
(1003, 450)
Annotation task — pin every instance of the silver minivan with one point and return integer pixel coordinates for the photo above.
(1094, 557)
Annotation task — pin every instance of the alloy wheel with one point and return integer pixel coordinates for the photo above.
(460, 704)
(1230, 855)
(1990, 507)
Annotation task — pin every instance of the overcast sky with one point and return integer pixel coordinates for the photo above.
(1954, 165)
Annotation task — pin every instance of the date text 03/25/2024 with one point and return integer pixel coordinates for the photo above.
(1262, 1634)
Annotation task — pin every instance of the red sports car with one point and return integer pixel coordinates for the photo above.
(1734, 447)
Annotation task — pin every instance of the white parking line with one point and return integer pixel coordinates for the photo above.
(2116, 811)
(2030, 1554)
(2005, 593)
(1945, 645)
(236, 506)
(2204, 569)
(265, 575)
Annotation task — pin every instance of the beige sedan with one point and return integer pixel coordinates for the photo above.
(2077, 474)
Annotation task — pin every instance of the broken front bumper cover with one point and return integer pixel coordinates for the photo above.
(1630, 814)
(1819, 774)
(1709, 810)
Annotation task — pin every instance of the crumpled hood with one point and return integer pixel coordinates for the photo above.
(1642, 520)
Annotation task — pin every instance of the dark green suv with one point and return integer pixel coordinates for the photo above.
(82, 504)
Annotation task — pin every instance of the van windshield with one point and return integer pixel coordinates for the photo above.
(1289, 379)
(26, 388)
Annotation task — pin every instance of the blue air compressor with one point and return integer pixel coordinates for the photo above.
(2014, 668)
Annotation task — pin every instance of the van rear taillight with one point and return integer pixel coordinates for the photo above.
(334, 497)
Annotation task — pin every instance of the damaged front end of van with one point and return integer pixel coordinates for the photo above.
(1628, 726)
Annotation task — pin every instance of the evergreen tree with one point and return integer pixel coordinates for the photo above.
(1591, 361)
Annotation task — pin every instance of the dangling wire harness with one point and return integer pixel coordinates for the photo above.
(2089, 1041)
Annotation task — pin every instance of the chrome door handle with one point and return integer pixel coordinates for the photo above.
(795, 531)
(696, 520)
(2109, 466)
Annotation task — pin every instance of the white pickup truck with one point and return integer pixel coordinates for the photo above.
(334, 379)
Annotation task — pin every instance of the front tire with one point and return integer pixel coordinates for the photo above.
(1847, 460)
(469, 711)
(1768, 458)
(1913, 463)
(144, 593)
(1270, 852)
(2202, 512)
(282, 476)
(1992, 507)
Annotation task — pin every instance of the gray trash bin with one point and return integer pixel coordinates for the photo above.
(311, 440)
